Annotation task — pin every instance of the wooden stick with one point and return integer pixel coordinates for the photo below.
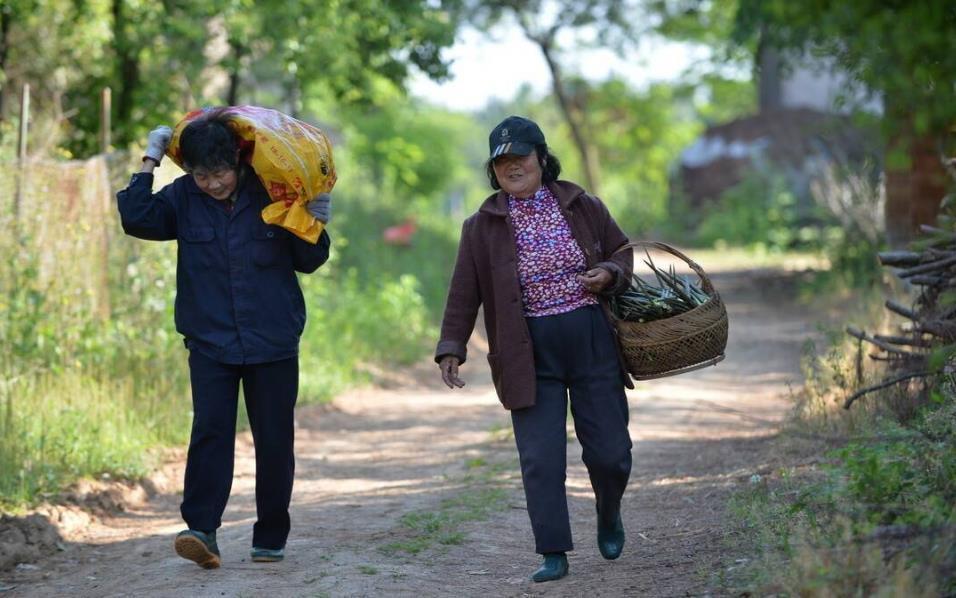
(902, 340)
(939, 253)
(899, 258)
(885, 384)
(856, 333)
(22, 146)
(895, 307)
(930, 267)
(106, 107)
(945, 330)
(859, 362)
(932, 230)
(22, 138)
(924, 280)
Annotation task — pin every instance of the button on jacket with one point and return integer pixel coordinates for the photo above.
(237, 296)
(486, 274)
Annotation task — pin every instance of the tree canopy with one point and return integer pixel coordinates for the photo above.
(899, 50)
(161, 58)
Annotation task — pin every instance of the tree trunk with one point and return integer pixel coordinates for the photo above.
(6, 17)
(769, 88)
(928, 178)
(127, 67)
(238, 50)
(585, 149)
(293, 95)
(913, 191)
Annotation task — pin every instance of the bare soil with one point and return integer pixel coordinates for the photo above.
(408, 489)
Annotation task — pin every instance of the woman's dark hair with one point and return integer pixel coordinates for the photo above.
(208, 143)
(550, 167)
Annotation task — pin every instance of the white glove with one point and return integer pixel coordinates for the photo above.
(321, 207)
(157, 142)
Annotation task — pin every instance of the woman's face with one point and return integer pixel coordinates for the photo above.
(219, 183)
(518, 175)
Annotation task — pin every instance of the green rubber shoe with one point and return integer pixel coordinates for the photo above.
(198, 547)
(555, 566)
(267, 555)
(610, 539)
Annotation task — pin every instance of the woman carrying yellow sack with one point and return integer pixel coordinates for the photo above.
(241, 312)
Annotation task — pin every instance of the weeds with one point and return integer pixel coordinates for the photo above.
(480, 495)
(94, 378)
(876, 516)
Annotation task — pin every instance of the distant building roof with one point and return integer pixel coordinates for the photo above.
(789, 140)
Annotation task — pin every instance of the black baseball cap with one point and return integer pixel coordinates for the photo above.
(514, 135)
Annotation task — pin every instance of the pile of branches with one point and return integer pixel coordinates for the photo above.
(930, 331)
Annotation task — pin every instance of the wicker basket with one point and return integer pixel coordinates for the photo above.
(680, 343)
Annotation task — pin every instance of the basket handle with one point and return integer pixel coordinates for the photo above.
(706, 284)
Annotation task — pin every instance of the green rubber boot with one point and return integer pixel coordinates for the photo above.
(555, 566)
(267, 555)
(610, 538)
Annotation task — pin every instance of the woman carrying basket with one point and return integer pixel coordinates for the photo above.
(539, 255)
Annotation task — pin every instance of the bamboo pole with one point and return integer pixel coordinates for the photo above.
(103, 296)
(106, 106)
(22, 143)
(24, 120)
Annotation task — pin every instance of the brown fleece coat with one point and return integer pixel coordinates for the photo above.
(486, 273)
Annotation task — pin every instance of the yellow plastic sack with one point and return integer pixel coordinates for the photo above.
(293, 160)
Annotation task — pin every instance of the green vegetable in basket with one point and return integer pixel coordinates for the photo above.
(644, 302)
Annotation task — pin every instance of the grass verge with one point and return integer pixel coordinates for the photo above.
(481, 491)
(863, 506)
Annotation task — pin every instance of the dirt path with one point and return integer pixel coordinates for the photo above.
(416, 492)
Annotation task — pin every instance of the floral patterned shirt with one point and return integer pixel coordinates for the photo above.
(548, 257)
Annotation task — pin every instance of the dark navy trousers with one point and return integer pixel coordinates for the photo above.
(574, 353)
(270, 391)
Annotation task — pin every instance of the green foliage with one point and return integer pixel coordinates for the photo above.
(639, 135)
(354, 325)
(760, 211)
(360, 248)
(404, 163)
(763, 214)
(899, 50)
(410, 158)
(57, 427)
(83, 394)
(878, 517)
(79, 392)
(708, 23)
(348, 45)
(853, 261)
(163, 58)
(614, 22)
(718, 99)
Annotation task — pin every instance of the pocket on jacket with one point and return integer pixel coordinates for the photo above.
(198, 246)
(265, 247)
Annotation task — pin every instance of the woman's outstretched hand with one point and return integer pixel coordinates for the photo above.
(595, 279)
(449, 371)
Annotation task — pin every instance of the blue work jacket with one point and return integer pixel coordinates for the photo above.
(237, 296)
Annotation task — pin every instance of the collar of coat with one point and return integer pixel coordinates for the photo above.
(565, 192)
